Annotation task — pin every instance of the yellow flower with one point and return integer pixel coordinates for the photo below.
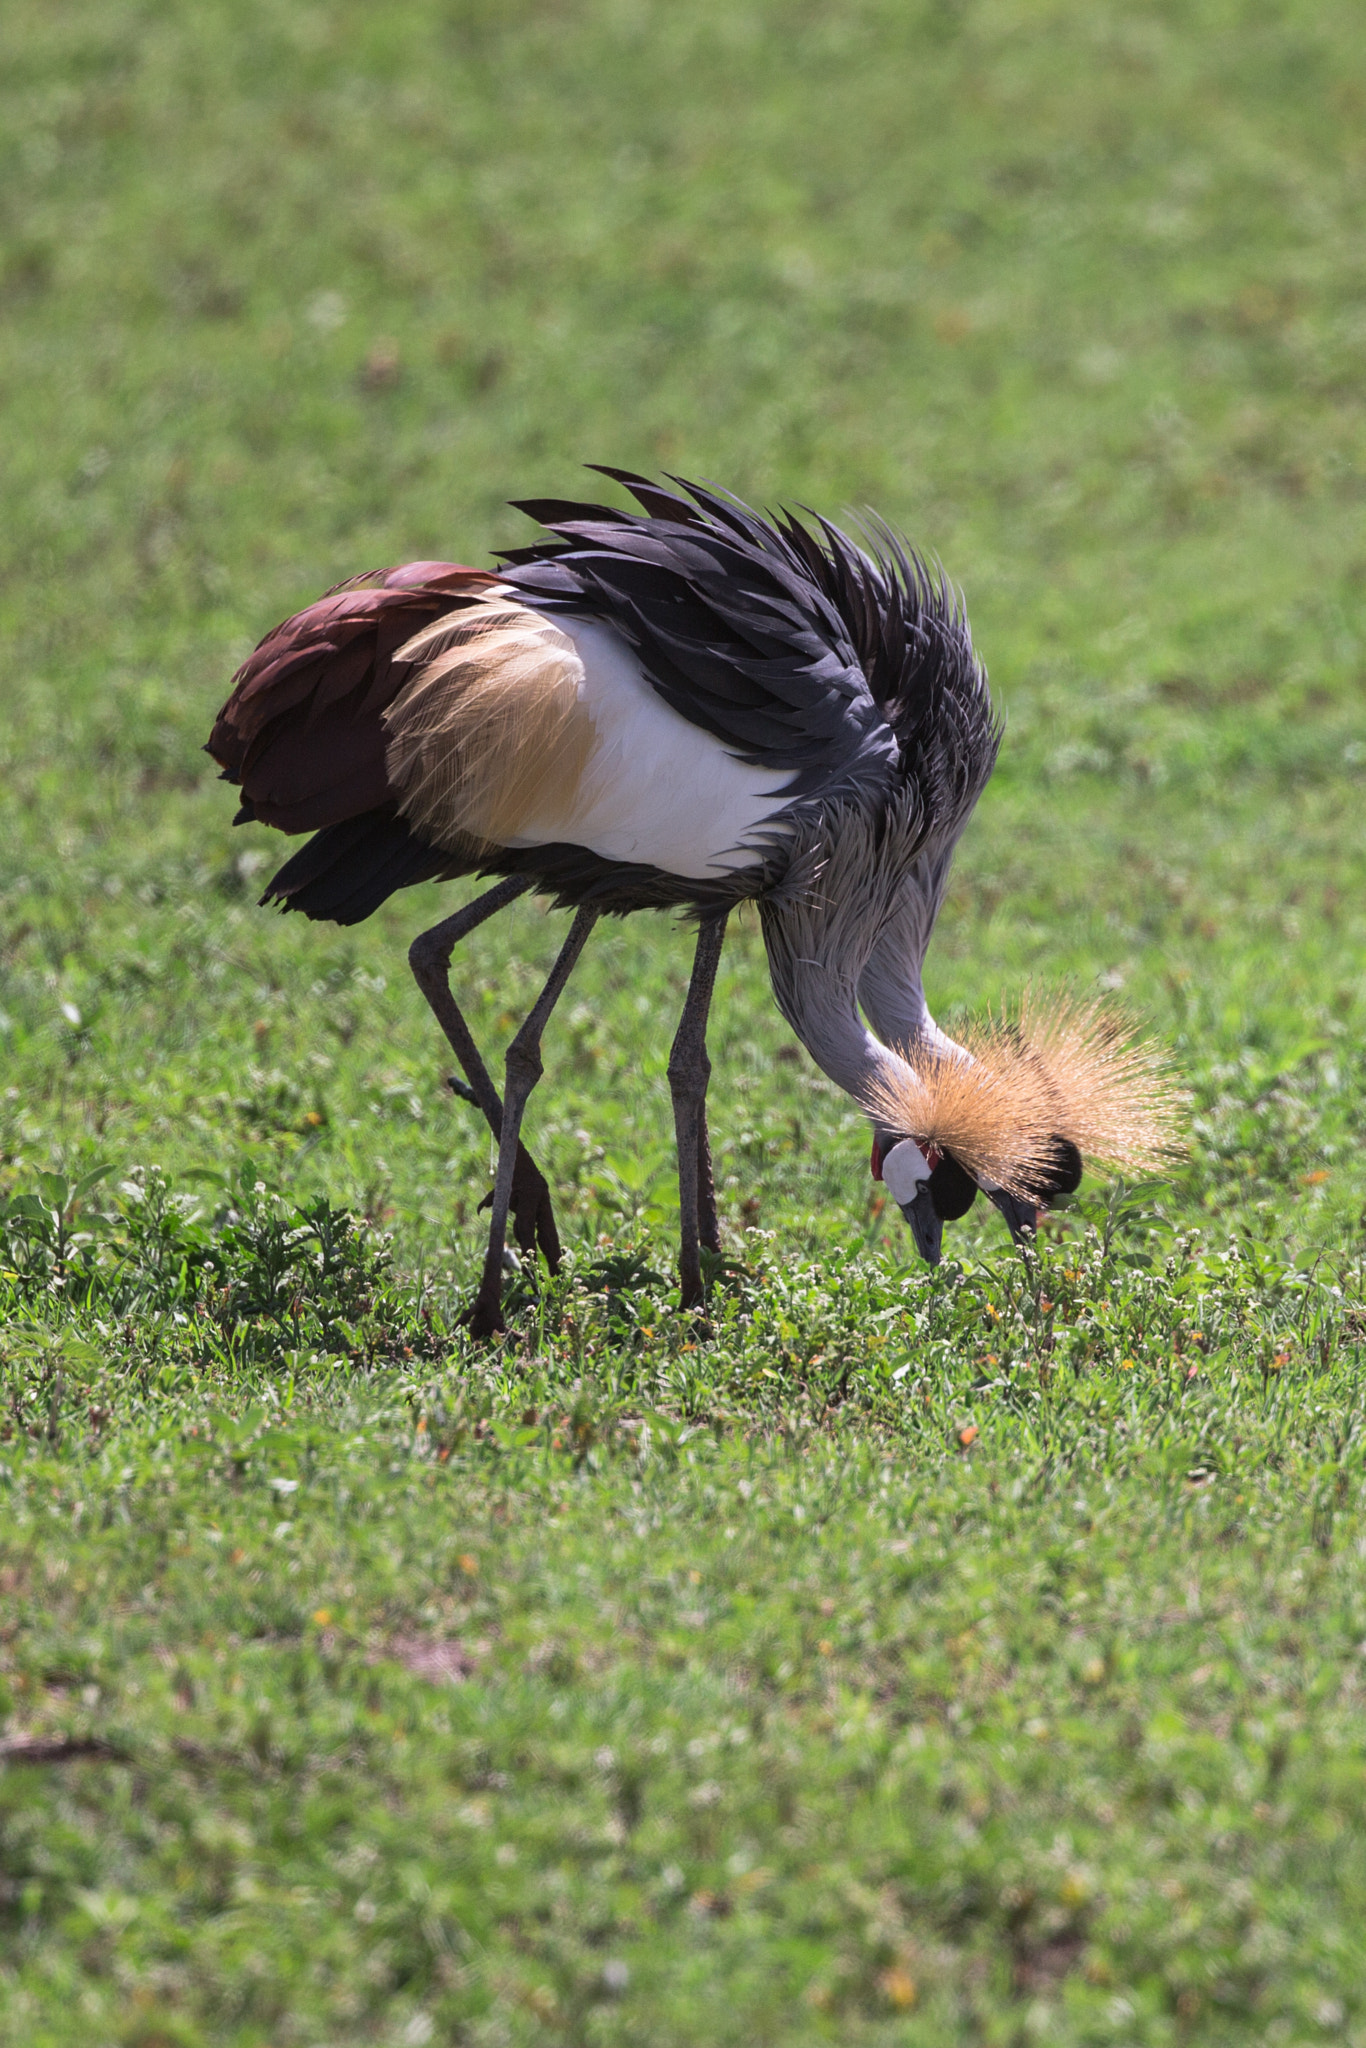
(898, 1988)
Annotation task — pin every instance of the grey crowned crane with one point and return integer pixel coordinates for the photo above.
(682, 708)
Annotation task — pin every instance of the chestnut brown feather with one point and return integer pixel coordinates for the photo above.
(301, 732)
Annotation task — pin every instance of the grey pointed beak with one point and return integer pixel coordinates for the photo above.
(1022, 1217)
(927, 1225)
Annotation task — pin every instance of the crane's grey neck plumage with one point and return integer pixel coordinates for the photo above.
(821, 930)
(890, 990)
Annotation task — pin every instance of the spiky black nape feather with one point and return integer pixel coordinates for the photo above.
(910, 630)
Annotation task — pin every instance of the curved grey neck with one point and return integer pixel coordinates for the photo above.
(890, 991)
(854, 932)
(820, 1002)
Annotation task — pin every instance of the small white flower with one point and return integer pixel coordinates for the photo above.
(326, 311)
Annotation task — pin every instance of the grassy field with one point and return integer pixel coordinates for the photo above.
(976, 1656)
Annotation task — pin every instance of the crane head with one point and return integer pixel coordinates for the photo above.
(1014, 1111)
(932, 1188)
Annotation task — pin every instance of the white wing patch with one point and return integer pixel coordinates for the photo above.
(654, 788)
(521, 730)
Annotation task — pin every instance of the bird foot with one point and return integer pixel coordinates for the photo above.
(532, 1212)
(696, 1285)
(484, 1320)
(533, 1227)
(692, 1294)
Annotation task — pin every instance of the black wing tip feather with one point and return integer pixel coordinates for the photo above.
(658, 503)
(883, 551)
(346, 871)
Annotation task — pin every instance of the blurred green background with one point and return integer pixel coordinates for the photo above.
(1074, 294)
(972, 1656)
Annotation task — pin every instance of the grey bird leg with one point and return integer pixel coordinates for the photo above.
(429, 956)
(689, 1072)
(708, 1228)
(524, 1070)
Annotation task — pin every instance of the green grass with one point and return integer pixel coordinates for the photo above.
(973, 1656)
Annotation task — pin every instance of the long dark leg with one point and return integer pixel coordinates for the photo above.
(524, 1070)
(429, 956)
(708, 1228)
(689, 1072)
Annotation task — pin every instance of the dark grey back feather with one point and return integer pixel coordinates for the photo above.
(728, 625)
(910, 632)
(850, 667)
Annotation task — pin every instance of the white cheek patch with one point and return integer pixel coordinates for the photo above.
(905, 1169)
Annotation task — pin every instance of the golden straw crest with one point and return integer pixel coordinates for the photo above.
(1061, 1066)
